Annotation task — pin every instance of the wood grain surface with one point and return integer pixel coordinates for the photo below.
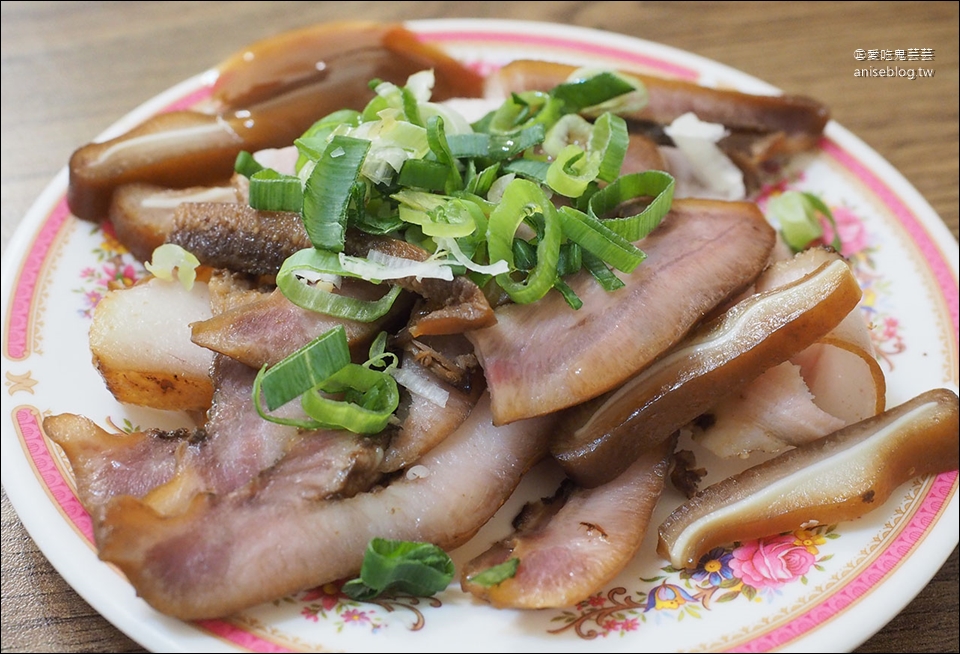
(70, 69)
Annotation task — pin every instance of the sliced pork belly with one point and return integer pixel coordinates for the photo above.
(545, 356)
(431, 409)
(269, 328)
(233, 446)
(140, 341)
(203, 564)
(106, 465)
(569, 546)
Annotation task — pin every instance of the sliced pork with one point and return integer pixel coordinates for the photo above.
(799, 119)
(570, 545)
(231, 448)
(238, 237)
(267, 329)
(834, 382)
(204, 564)
(545, 356)
(142, 214)
(143, 351)
(717, 360)
(431, 409)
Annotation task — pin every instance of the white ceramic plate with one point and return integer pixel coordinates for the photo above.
(842, 584)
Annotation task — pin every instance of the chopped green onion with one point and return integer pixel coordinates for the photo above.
(310, 262)
(439, 215)
(623, 103)
(591, 91)
(496, 574)
(523, 110)
(370, 398)
(610, 137)
(507, 146)
(796, 214)
(411, 108)
(652, 183)
(424, 174)
(604, 276)
(379, 358)
(596, 238)
(304, 369)
(535, 171)
(469, 146)
(569, 295)
(571, 128)
(572, 171)
(480, 183)
(313, 142)
(378, 217)
(246, 165)
(329, 189)
(392, 566)
(273, 191)
(169, 257)
(438, 145)
(520, 200)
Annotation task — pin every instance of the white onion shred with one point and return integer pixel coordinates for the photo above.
(697, 141)
(450, 245)
(415, 380)
(379, 266)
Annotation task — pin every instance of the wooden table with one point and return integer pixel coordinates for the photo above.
(71, 68)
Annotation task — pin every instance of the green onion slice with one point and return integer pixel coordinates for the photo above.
(523, 110)
(652, 183)
(610, 137)
(393, 566)
(273, 191)
(522, 199)
(595, 237)
(439, 215)
(329, 189)
(441, 149)
(313, 142)
(311, 262)
(572, 171)
(370, 398)
(304, 369)
(423, 174)
(591, 91)
(246, 165)
(496, 574)
(604, 276)
(796, 214)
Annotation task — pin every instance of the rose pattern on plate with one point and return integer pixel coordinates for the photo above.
(754, 570)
